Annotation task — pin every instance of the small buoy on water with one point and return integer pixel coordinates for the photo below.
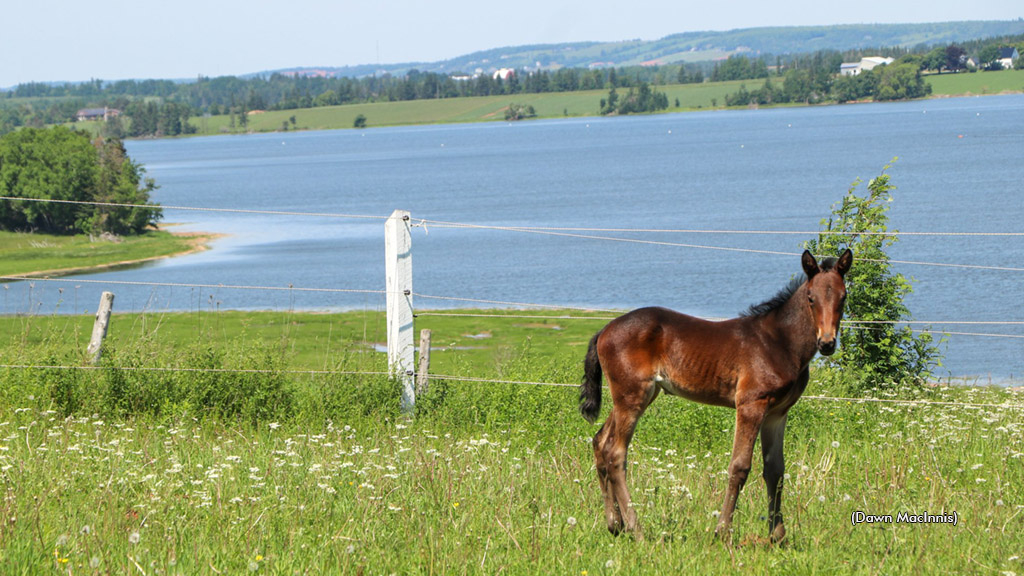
(669, 131)
(959, 135)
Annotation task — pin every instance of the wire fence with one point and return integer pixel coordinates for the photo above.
(530, 310)
(481, 380)
(852, 322)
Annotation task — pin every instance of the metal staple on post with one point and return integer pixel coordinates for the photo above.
(99, 327)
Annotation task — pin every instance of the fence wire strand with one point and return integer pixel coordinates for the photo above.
(191, 285)
(481, 380)
(199, 209)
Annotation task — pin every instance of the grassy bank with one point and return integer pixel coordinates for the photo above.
(43, 254)
(143, 476)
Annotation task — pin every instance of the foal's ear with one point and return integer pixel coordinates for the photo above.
(810, 264)
(844, 263)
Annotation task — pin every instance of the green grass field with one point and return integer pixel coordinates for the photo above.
(43, 253)
(489, 478)
(979, 83)
(454, 110)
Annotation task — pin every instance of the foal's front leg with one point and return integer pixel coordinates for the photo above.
(772, 432)
(748, 421)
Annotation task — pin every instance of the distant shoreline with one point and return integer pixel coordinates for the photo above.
(556, 105)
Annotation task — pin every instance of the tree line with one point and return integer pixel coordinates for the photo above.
(67, 165)
(815, 79)
(163, 107)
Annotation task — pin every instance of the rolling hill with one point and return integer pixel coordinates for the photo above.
(692, 47)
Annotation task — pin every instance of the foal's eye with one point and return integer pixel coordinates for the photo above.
(810, 299)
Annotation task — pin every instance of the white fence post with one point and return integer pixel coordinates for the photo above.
(398, 249)
(99, 327)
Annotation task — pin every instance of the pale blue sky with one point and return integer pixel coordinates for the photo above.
(53, 40)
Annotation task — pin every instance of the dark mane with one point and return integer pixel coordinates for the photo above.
(776, 302)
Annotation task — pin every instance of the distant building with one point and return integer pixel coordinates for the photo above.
(504, 74)
(86, 114)
(869, 63)
(1007, 56)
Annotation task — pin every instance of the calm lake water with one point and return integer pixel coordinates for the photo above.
(959, 170)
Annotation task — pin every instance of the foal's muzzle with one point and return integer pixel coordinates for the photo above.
(826, 347)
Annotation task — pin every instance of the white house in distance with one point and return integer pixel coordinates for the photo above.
(869, 63)
(86, 114)
(1007, 56)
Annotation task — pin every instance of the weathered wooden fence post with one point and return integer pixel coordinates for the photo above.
(99, 327)
(423, 372)
(398, 285)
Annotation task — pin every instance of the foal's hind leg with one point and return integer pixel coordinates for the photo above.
(626, 411)
(611, 512)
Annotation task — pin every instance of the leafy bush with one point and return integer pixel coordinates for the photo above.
(885, 353)
(519, 112)
(65, 165)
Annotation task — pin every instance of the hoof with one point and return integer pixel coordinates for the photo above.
(723, 532)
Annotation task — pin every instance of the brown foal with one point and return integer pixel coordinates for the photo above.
(757, 364)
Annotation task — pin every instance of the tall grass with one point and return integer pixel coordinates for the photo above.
(204, 471)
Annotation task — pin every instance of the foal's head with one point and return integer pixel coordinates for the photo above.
(826, 295)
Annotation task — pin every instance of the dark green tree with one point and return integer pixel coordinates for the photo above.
(988, 57)
(797, 86)
(63, 164)
(935, 59)
(612, 103)
(50, 164)
(900, 82)
(120, 181)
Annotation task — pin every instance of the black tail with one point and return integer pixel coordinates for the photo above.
(590, 389)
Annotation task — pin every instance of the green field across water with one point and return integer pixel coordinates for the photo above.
(692, 97)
